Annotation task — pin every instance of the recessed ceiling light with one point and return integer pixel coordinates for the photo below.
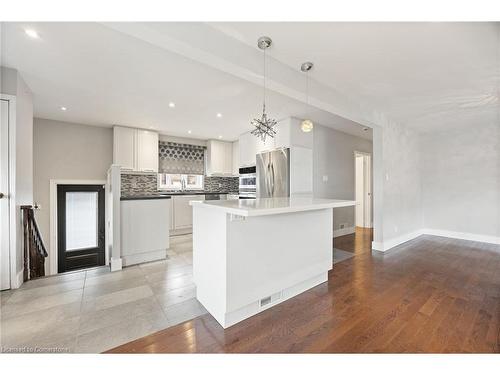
(171, 105)
(219, 115)
(220, 136)
(64, 109)
(189, 131)
(32, 33)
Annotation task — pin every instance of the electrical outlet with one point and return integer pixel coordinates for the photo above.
(325, 178)
(396, 229)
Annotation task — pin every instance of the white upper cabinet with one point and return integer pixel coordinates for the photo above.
(135, 150)
(219, 158)
(247, 146)
(236, 159)
(124, 146)
(147, 151)
(266, 145)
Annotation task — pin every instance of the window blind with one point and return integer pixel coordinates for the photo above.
(181, 158)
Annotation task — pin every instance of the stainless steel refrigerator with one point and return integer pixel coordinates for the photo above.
(273, 174)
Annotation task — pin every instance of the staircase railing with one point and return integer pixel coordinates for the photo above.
(34, 249)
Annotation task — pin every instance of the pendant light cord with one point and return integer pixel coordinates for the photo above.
(264, 103)
(307, 88)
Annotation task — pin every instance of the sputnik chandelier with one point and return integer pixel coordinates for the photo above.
(264, 126)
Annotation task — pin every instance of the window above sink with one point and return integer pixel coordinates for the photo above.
(172, 181)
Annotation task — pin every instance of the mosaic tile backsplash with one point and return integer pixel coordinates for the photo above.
(133, 184)
(139, 184)
(227, 184)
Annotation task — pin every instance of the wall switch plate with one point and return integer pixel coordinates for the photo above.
(325, 178)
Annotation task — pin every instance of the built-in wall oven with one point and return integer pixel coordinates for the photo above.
(248, 183)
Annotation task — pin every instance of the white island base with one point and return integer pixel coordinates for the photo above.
(250, 255)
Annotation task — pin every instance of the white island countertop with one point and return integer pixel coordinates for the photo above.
(272, 206)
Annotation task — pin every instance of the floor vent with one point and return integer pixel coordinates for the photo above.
(270, 299)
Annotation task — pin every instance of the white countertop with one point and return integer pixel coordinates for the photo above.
(272, 206)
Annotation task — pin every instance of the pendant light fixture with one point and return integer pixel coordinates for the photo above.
(264, 126)
(307, 125)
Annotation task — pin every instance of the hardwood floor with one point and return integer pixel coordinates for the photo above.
(429, 295)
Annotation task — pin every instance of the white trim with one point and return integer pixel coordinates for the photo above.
(116, 264)
(389, 244)
(53, 216)
(463, 236)
(14, 280)
(343, 231)
(19, 279)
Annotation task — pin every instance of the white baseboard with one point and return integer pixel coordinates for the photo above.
(343, 231)
(19, 280)
(389, 244)
(462, 236)
(116, 264)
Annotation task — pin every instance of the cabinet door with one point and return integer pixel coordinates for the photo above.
(248, 149)
(236, 159)
(147, 151)
(228, 158)
(183, 212)
(266, 145)
(124, 147)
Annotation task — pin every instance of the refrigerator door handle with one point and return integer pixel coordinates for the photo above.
(268, 180)
(272, 180)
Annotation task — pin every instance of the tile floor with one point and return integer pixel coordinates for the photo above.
(95, 310)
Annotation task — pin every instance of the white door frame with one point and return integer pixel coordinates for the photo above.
(367, 188)
(53, 257)
(15, 279)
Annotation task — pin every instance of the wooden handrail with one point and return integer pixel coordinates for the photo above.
(34, 248)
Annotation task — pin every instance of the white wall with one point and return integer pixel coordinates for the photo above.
(460, 171)
(13, 84)
(66, 151)
(334, 157)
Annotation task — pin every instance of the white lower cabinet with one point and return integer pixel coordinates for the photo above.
(183, 212)
(144, 230)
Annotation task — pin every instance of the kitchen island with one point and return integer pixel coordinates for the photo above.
(249, 255)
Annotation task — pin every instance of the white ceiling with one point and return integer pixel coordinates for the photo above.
(425, 75)
(105, 77)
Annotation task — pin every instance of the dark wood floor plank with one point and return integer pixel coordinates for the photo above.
(431, 294)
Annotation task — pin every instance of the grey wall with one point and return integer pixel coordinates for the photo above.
(402, 188)
(460, 171)
(13, 84)
(67, 151)
(333, 156)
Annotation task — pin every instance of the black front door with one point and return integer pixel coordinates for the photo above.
(80, 226)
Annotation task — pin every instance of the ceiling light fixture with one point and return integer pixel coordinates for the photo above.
(64, 109)
(307, 125)
(171, 105)
(189, 131)
(219, 115)
(264, 126)
(32, 33)
(220, 136)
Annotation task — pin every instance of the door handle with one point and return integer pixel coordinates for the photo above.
(2, 195)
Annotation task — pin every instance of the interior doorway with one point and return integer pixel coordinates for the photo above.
(80, 227)
(363, 189)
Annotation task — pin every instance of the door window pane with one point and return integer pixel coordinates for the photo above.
(81, 220)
